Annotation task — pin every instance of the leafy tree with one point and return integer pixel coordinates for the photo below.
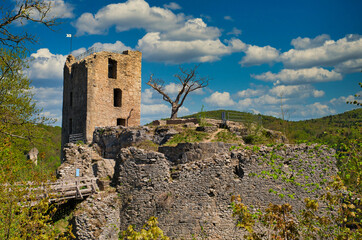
(22, 214)
(189, 81)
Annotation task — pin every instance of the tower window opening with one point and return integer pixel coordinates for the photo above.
(112, 68)
(121, 122)
(117, 97)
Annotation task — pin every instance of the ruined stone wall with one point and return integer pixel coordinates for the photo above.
(191, 195)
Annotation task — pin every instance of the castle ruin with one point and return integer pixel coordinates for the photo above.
(102, 89)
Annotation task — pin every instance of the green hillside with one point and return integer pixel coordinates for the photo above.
(47, 139)
(330, 129)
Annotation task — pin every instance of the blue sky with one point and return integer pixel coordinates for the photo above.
(307, 53)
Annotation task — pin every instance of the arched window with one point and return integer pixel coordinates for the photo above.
(112, 68)
(117, 95)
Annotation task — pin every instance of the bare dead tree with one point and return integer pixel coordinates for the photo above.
(189, 81)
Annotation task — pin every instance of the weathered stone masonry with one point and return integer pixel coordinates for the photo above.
(103, 89)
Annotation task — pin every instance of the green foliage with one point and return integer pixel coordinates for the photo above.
(251, 139)
(281, 222)
(350, 164)
(244, 219)
(23, 213)
(227, 137)
(150, 231)
(188, 135)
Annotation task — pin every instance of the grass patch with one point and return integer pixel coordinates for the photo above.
(188, 135)
(147, 145)
(227, 137)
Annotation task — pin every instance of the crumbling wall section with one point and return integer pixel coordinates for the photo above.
(189, 187)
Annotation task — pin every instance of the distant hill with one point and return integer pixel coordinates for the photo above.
(323, 130)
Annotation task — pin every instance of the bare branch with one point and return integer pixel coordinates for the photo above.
(189, 81)
(158, 85)
(13, 135)
(37, 11)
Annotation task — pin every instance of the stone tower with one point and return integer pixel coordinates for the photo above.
(102, 89)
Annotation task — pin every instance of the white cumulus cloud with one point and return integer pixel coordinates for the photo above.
(50, 100)
(317, 110)
(296, 91)
(170, 38)
(46, 65)
(330, 53)
(154, 48)
(250, 93)
(350, 66)
(193, 29)
(155, 109)
(128, 15)
(172, 5)
(305, 43)
(256, 55)
(172, 88)
(147, 96)
(300, 76)
(61, 9)
(117, 46)
(235, 31)
(220, 99)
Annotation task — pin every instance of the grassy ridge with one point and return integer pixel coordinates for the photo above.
(323, 130)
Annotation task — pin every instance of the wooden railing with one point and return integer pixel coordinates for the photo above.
(76, 188)
(73, 138)
(55, 192)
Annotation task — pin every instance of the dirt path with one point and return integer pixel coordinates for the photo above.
(212, 136)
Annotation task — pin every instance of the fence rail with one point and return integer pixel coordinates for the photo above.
(76, 188)
(73, 138)
(241, 117)
(94, 50)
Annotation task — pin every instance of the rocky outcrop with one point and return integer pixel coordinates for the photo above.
(110, 140)
(88, 162)
(33, 156)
